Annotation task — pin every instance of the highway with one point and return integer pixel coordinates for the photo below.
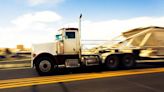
(146, 77)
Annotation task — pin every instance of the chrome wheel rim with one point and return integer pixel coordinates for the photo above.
(45, 66)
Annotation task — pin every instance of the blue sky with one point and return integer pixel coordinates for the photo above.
(113, 9)
(66, 12)
(92, 9)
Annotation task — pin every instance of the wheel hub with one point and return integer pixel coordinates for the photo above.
(128, 61)
(111, 62)
(45, 66)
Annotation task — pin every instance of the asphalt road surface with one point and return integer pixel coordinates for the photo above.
(146, 77)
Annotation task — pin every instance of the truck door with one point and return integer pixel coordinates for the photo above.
(71, 43)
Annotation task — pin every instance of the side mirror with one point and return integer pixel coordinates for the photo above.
(58, 37)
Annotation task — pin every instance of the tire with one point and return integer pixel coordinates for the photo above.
(128, 61)
(45, 66)
(112, 62)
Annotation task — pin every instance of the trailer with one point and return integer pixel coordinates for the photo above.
(137, 44)
(66, 51)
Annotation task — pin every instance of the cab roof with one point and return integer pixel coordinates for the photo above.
(68, 29)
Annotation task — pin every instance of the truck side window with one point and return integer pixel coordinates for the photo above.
(70, 35)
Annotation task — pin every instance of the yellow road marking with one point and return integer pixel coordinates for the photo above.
(73, 77)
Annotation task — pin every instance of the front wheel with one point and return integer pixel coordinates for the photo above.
(45, 66)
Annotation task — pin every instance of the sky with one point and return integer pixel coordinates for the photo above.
(37, 21)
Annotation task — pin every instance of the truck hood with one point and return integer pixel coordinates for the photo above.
(44, 48)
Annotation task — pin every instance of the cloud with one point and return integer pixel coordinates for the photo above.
(36, 27)
(40, 27)
(42, 17)
(109, 29)
(38, 2)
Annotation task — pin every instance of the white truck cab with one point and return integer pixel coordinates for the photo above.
(67, 41)
(64, 52)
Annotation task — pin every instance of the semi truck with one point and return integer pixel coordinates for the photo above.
(66, 51)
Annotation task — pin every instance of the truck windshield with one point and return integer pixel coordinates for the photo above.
(59, 37)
